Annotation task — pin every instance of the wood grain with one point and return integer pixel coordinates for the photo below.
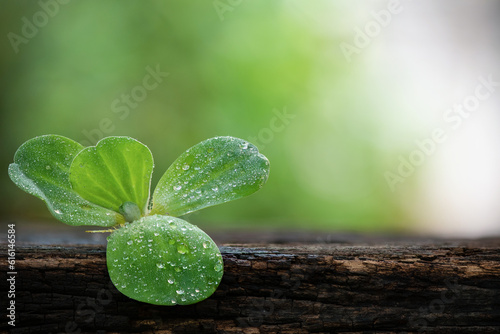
(375, 286)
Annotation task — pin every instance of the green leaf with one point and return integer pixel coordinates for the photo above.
(41, 168)
(164, 260)
(212, 172)
(115, 171)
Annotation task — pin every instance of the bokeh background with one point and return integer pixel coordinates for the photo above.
(335, 94)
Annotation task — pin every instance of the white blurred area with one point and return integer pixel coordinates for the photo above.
(425, 60)
(441, 49)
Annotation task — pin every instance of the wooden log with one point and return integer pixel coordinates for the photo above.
(373, 286)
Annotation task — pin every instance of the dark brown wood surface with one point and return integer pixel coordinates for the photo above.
(344, 284)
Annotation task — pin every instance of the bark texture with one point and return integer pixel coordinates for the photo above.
(378, 286)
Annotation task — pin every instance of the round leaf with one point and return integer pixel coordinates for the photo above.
(41, 168)
(215, 171)
(116, 171)
(164, 260)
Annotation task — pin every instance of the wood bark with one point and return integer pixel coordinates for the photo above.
(378, 286)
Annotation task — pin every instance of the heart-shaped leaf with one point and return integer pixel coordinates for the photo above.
(164, 260)
(212, 172)
(41, 168)
(115, 171)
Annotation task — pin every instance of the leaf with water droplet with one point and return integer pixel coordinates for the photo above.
(221, 169)
(115, 171)
(41, 168)
(104, 185)
(169, 273)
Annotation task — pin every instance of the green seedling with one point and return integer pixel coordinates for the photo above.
(151, 256)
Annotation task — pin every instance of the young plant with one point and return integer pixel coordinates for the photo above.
(151, 256)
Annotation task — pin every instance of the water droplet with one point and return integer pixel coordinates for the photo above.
(180, 292)
(196, 290)
(157, 234)
(244, 146)
(177, 188)
(47, 167)
(182, 249)
(215, 188)
(205, 245)
(185, 167)
(160, 265)
(177, 269)
(130, 242)
(170, 281)
(218, 267)
(171, 241)
(57, 211)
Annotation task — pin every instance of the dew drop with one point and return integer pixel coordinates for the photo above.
(215, 188)
(160, 265)
(205, 245)
(185, 167)
(218, 267)
(170, 281)
(130, 242)
(177, 188)
(171, 241)
(180, 292)
(47, 167)
(182, 249)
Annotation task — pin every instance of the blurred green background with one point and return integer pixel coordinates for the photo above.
(232, 68)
